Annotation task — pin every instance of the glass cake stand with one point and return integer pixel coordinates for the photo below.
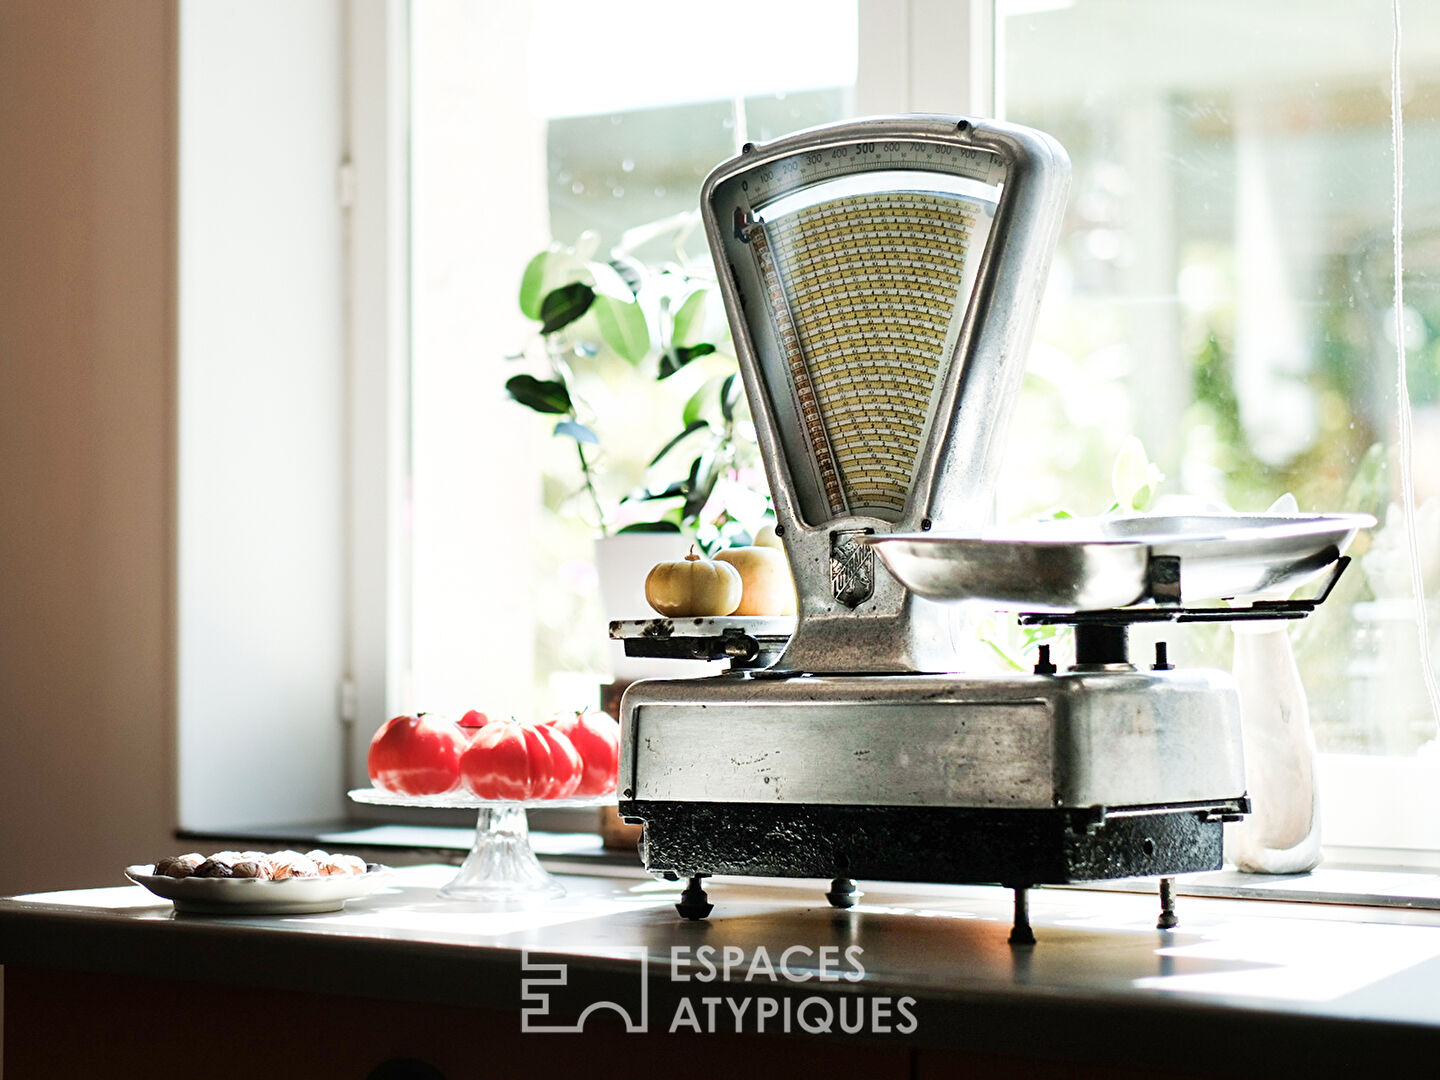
(501, 866)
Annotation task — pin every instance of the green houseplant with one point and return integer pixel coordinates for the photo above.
(630, 366)
(619, 331)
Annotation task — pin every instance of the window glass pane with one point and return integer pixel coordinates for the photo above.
(1223, 290)
(616, 171)
(569, 124)
(604, 172)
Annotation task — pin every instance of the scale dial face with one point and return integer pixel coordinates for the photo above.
(856, 265)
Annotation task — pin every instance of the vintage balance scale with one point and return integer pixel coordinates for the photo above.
(881, 279)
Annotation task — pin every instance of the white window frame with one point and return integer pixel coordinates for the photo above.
(926, 56)
(375, 189)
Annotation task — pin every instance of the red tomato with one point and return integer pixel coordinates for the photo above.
(511, 760)
(472, 722)
(413, 755)
(566, 765)
(596, 736)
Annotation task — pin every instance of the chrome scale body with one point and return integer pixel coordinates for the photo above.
(844, 757)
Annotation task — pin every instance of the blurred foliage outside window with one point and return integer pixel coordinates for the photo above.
(1223, 289)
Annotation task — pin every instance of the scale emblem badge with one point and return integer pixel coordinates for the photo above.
(852, 567)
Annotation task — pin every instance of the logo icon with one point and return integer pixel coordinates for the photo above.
(852, 567)
(545, 992)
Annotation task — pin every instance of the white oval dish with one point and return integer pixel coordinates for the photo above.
(252, 896)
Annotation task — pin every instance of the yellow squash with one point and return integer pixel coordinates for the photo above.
(693, 586)
(765, 573)
(767, 537)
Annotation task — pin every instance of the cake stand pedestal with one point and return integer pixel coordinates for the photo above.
(501, 867)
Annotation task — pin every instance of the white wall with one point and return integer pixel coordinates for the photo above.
(107, 556)
(87, 154)
(261, 403)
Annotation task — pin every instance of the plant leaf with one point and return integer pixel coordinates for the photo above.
(690, 429)
(690, 317)
(564, 305)
(623, 327)
(680, 487)
(678, 357)
(577, 431)
(730, 391)
(1134, 477)
(704, 403)
(630, 270)
(542, 395)
(703, 475)
(1008, 660)
(650, 527)
(532, 284)
(696, 405)
(607, 280)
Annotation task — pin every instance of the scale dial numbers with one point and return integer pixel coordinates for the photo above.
(873, 284)
(772, 180)
(863, 256)
(866, 291)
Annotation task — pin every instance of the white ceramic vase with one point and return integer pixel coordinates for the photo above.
(1281, 835)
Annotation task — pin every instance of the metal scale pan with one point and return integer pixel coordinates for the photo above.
(1091, 564)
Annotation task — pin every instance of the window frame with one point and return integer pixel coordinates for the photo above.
(375, 192)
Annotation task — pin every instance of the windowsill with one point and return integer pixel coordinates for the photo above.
(1354, 885)
(582, 852)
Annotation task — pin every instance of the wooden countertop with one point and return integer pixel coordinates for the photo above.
(1257, 983)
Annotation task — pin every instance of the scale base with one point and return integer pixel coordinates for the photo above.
(949, 845)
(1107, 737)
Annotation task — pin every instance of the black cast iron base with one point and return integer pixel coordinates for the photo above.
(952, 845)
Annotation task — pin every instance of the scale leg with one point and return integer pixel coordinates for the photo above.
(1020, 933)
(694, 904)
(1168, 921)
(842, 893)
